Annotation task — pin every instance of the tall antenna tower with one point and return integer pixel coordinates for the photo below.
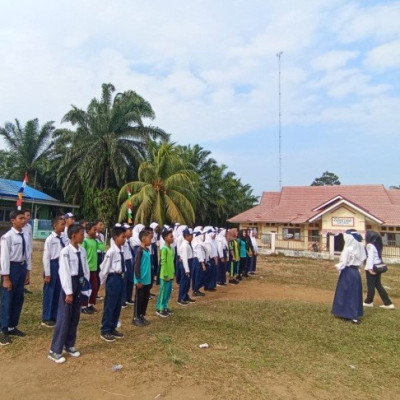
(279, 55)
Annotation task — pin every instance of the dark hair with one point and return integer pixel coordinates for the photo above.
(26, 210)
(74, 229)
(117, 231)
(375, 239)
(166, 233)
(14, 214)
(97, 221)
(144, 233)
(89, 226)
(56, 220)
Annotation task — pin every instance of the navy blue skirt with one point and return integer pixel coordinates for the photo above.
(348, 302)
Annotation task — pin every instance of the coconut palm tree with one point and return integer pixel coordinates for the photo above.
(164, 191)
(109, 143)
(28, 146)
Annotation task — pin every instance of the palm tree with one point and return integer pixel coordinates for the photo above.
(164, 192)
(29, 147)
(109, 143)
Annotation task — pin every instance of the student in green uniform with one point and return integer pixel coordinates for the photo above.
(92, 245)
(167, 271)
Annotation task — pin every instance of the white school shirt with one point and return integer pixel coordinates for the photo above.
(254, 243)
(186, 253)
(200, 252)
(11, 251)
(111, 263)
(179, 242)
(65, 237)
(69, 266)
(372, 257)
(127, 250)
(51, 251)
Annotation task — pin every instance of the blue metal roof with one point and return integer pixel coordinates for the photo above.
(9, 188)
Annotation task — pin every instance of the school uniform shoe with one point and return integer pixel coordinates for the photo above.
(368, 304)
(138, 322)
(145, 321)
(183, 302)
(48, 324)
(107, 337)
(4, 339)
(93, 309)
(190, 300)
(389, 307)
(57, 358)
(123, 305)
(233, 281)
(221, 284)
(130, 303)
(117, 335)
(16, 332)
(86, 310)
(72, 351)
(198, 294)
(239, 278)
(162, 314)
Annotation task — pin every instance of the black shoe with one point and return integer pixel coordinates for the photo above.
(183, 302)
(239, 277)
(116, 334)
(48, 324)
(108, 337)
(198, 294)
(162, 314)
(130, 303)
(93, 309)
(137, 322)
(16, 332)
(190, 300)
(170, 312)
(86, 310)
(4, 339)
(144, 320)
(246, 275)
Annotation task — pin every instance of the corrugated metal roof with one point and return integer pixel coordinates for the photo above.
(9, 188)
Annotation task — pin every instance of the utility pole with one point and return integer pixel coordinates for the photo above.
(280, 119)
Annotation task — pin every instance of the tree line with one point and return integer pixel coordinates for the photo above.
(110, 159)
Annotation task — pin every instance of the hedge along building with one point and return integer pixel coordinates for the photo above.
(43, 207)
(303, 217)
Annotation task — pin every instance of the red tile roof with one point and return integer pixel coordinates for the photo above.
(295, 204)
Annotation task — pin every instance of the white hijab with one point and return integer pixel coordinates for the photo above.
(353, 252)
(135, 234)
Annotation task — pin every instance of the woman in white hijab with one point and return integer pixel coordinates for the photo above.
(348, 303)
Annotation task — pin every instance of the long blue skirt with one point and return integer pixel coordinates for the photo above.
(348, 302)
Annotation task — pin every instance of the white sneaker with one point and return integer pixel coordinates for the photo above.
(72, 351)
(57, 358)
(389, 307)
(368, 304)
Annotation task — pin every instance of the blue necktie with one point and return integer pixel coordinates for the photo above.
(122, 262)
(23, 243)
(61, 241)
(80, 267)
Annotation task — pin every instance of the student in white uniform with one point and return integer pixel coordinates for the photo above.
(112, 271)
(52, 285)
(73, 270)
(27, 229)
(69, 221)
(15, 273)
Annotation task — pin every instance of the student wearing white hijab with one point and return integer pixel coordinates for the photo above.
(348, 302)
(135, 241)
(210, 278)
(199, 261)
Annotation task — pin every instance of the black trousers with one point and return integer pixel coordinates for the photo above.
(141, 300)
(374, 282)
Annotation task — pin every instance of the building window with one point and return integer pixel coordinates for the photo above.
(390, 239)
(314, 235)
(291, 233)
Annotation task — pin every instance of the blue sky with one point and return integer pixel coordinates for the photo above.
(210, 71)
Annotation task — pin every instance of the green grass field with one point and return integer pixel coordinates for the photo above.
(259, 348)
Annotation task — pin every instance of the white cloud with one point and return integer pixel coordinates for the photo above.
(384, 56)
(333, 60)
